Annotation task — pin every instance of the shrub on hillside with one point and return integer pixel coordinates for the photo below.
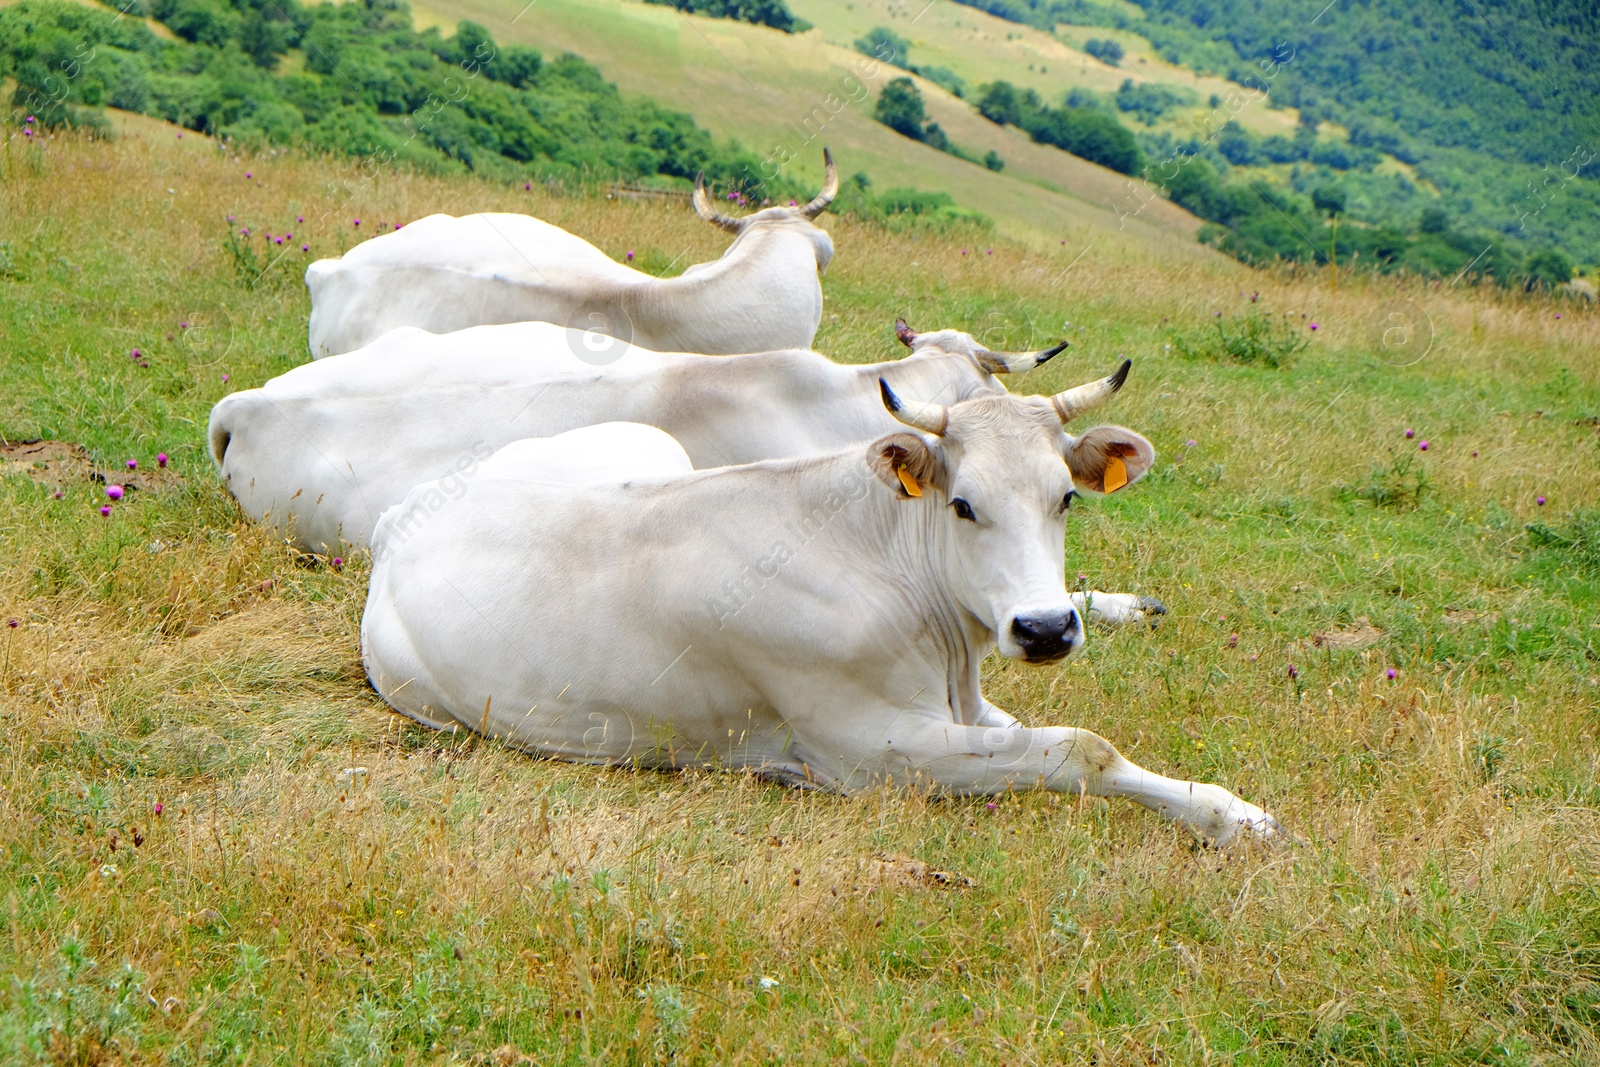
(1252, 338)
(774, 13)
(1087, 132)
(1105, 50)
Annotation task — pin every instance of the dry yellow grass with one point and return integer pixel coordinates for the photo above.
(326, 883)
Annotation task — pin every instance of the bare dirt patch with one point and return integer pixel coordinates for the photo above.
(1361, 635)
(59, 463)
(47, 462)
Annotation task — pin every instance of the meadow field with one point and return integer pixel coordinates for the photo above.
(218, 846)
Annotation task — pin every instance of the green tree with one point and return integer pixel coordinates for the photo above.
(1105, 50)
(1548, 269)
(900, 108)
(884, 44)
(1434, 220)
(1328, 200)
(999, 102)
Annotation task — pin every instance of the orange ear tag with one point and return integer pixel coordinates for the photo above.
(910, 483)
(1116, 474)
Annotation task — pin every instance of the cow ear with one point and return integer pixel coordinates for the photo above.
(1109, 457)
(905, 463)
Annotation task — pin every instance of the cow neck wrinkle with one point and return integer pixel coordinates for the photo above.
(911, 544)
(750, 246)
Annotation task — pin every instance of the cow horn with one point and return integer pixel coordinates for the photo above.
(929, 418)
(1017, 362)
(830, 189)
(906, 334)
(702, 205)
(1074, 402)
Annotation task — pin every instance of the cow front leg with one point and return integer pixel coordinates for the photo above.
(994, 759)
(1118, 609)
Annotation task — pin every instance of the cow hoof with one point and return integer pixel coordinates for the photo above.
(1152, 609)
(1244, 820)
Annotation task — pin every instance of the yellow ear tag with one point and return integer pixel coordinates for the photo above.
(912, 488)
(1116, 474)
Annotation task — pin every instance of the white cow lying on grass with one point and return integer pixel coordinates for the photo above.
(817, 620)
(444, 273)
(322, 450)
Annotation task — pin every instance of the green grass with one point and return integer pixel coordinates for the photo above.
(327, 883)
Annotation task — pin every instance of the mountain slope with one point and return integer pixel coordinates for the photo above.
(790, 94)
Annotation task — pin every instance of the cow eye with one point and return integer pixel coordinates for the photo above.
(963, 509)
(1066, 501)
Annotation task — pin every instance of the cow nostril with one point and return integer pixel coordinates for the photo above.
(1043, 627)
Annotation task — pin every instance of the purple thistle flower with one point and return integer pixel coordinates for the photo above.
(299, 218)
(244, 231)
(1393, 674)
(305, 248)
(630, 255)
(1410, 434)
(527, 185)
(1539, 501)
(990, 805)
(161, 459)
(247, 174)
(158, 807)
(1313, 326)
(135, 353)
(105, 510)
(230, 218)
(133, 464)
(28, 120)
(114, 492)
(278, 240)
(1191, 443)
(224, 377)
(12, 623)
(1294, 672)
(1422, 446)
(337, 562)
(58, 494)
(358, 222)
(1233, 640)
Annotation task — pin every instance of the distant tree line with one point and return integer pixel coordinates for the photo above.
(774, 13)
(366, 83)
(1088, 132)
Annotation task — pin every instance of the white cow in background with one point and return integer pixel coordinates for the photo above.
(818, 620)
(321, 451)
(443, 273)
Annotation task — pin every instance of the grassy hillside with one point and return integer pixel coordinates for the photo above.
(982, 48)
(762, 86)
(217, 846)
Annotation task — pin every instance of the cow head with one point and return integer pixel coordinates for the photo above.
(996, 476)
(797, 219)
(955, 342)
